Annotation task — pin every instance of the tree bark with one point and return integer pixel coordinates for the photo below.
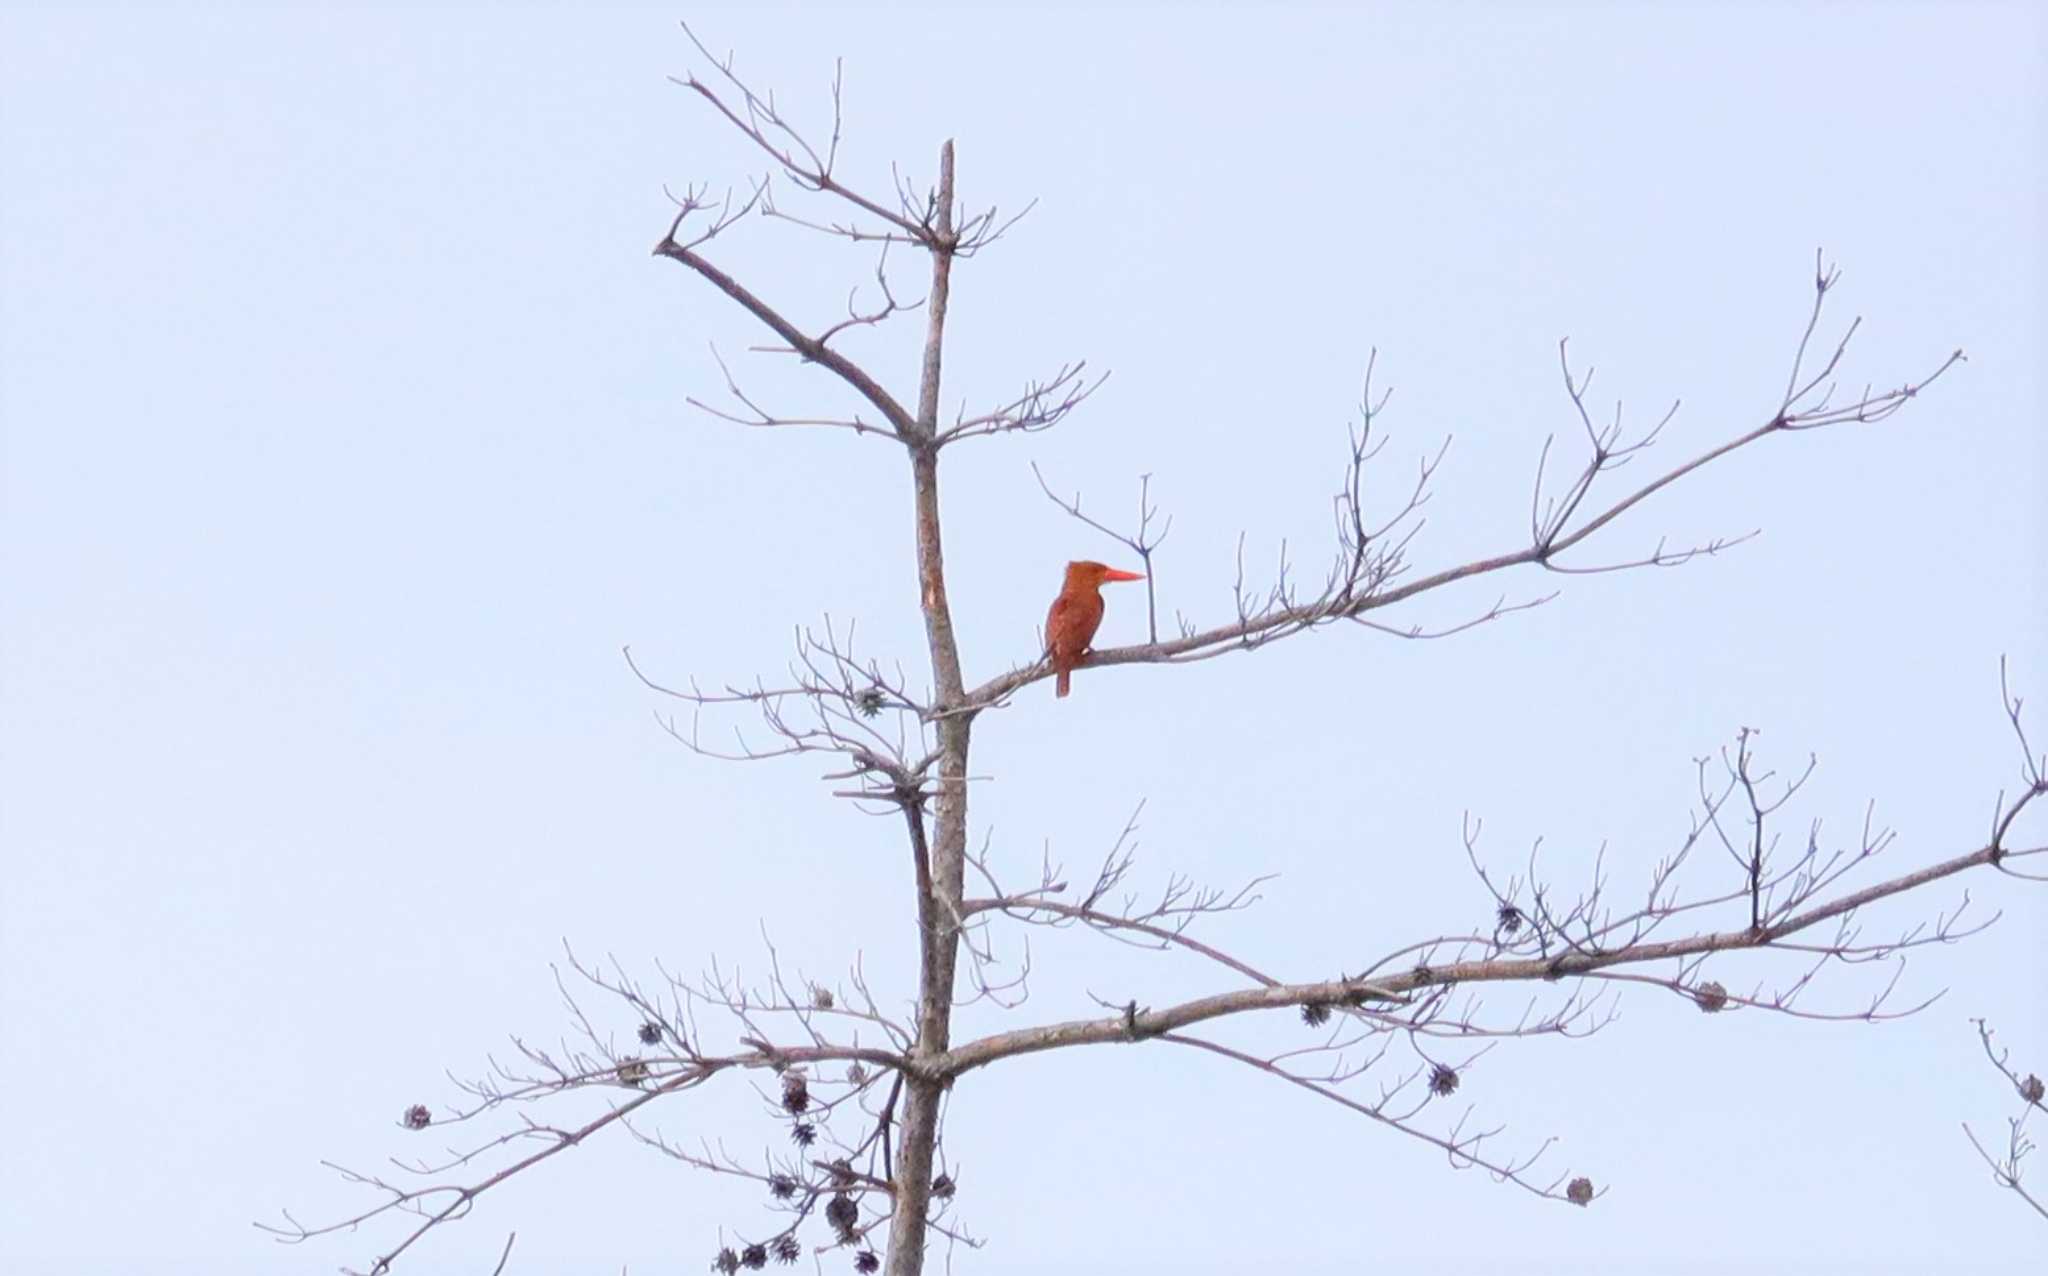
(945, 850)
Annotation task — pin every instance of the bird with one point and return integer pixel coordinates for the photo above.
(1075, 615)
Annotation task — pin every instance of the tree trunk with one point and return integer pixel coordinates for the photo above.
(943, 870)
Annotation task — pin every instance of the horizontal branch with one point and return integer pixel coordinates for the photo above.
(1136, 1024)
(1250, 632)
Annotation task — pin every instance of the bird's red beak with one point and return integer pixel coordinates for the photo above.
(1114, 574)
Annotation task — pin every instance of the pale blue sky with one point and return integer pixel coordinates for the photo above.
(345, 444)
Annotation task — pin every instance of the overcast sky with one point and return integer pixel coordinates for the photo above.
(346, 444)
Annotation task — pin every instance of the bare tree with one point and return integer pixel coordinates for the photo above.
(860, 1078)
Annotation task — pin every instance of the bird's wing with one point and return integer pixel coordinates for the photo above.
(1056, 620)
(1072, 622)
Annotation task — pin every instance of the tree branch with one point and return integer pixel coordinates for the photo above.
(1152, 1023)
(810, 348)
(1356, 590)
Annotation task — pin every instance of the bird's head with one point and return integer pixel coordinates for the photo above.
(1090, 575)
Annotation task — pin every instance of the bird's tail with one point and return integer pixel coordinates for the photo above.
(1064, 684)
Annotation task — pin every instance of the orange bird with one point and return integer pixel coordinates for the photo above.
(1070, 625)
